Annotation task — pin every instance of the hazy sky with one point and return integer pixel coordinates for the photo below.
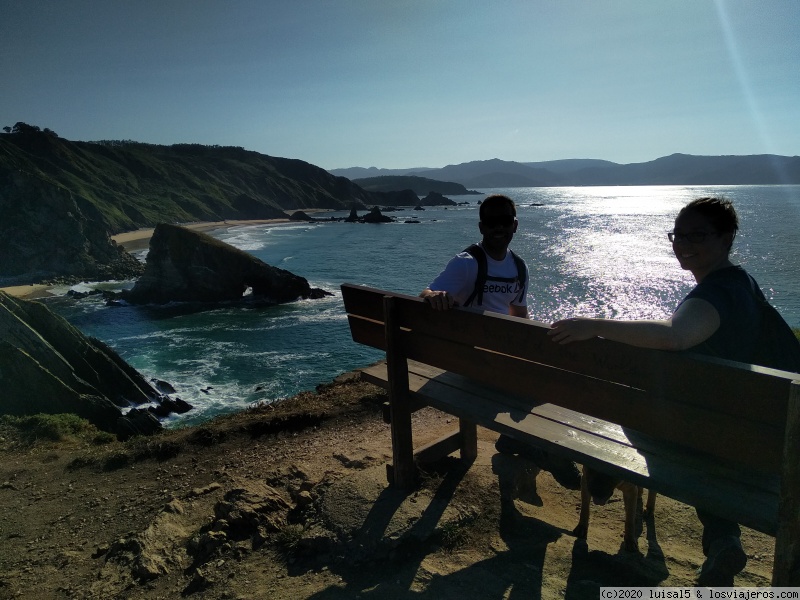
(394, 83)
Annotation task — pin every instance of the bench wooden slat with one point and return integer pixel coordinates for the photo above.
(554, 412)
(421, 374)
(753, 393)
(687, 425)
(737, 494)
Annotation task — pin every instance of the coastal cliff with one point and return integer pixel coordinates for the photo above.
(48, 366)
(60, 200)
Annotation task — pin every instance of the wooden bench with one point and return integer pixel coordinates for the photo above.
(714, 434)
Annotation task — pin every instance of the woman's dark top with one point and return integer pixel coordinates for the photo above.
(732, 292)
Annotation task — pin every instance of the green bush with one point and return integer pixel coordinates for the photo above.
(49, 427)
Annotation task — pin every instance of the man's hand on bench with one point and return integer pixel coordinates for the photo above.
(438, 300)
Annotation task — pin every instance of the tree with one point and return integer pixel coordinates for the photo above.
(21, 127)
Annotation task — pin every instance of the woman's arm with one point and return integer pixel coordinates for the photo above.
(694, 322)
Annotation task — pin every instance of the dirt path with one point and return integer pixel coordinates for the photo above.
(292, 502)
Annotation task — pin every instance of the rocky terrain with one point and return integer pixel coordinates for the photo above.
(48, 366)
(290, 501)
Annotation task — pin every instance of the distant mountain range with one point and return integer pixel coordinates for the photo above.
(422, 186)
(676, 169)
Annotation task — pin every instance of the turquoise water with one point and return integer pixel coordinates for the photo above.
(598, 251)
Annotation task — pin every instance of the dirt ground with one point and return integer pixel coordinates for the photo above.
(291, 501)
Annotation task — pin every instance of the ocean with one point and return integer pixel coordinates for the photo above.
(595, 251)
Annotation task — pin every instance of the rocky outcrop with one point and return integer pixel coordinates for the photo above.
(376, 216)
(436, 199)
(190, 266)
(48, 366)
(373, 216)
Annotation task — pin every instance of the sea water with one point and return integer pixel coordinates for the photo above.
(594, 251)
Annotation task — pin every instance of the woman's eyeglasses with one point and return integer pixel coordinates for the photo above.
(693, 237)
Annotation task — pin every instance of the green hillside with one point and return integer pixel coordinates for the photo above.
(136, 185)
(60, 200)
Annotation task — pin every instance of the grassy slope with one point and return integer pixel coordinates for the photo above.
(139, 185)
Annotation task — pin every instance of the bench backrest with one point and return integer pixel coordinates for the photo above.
(712, 406)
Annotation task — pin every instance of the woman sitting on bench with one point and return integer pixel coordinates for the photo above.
(719, 317)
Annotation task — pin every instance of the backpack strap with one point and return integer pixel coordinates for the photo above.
(480, 256)
(522, 273)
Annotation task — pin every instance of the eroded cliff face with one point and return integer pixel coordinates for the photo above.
(48, 366)
(190, 266)
(48, 232)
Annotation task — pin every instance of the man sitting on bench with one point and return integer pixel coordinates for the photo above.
(489, 275)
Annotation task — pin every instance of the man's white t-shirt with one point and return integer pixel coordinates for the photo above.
(459, 275)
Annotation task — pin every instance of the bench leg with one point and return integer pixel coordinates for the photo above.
(403, 469)
(469, 440)
(786, 568)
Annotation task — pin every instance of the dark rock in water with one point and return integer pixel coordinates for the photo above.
(375, 216)
(353, 216)
(436, 199)
(299, 216)
(48, 366)
(163, 386)
(419, 207)
(190, 266)
(179, 406)
(167, 406)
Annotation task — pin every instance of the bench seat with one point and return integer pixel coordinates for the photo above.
(721, 487)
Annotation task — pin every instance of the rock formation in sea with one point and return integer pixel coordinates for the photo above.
(373, 216)
(190, 266)
(436, 199)
(48, 366)
(376, 216)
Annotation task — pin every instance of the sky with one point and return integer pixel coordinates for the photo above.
(411, 83)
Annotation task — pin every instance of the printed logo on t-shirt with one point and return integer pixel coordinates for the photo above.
(502, 288)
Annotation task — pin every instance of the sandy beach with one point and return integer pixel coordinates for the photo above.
(139, 239)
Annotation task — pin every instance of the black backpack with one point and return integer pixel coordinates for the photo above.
(479, 255)
(776, 345)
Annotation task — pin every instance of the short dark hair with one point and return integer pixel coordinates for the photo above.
(497, 200)
(718, 210)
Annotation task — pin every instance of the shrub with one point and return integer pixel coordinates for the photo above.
(51, 427)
